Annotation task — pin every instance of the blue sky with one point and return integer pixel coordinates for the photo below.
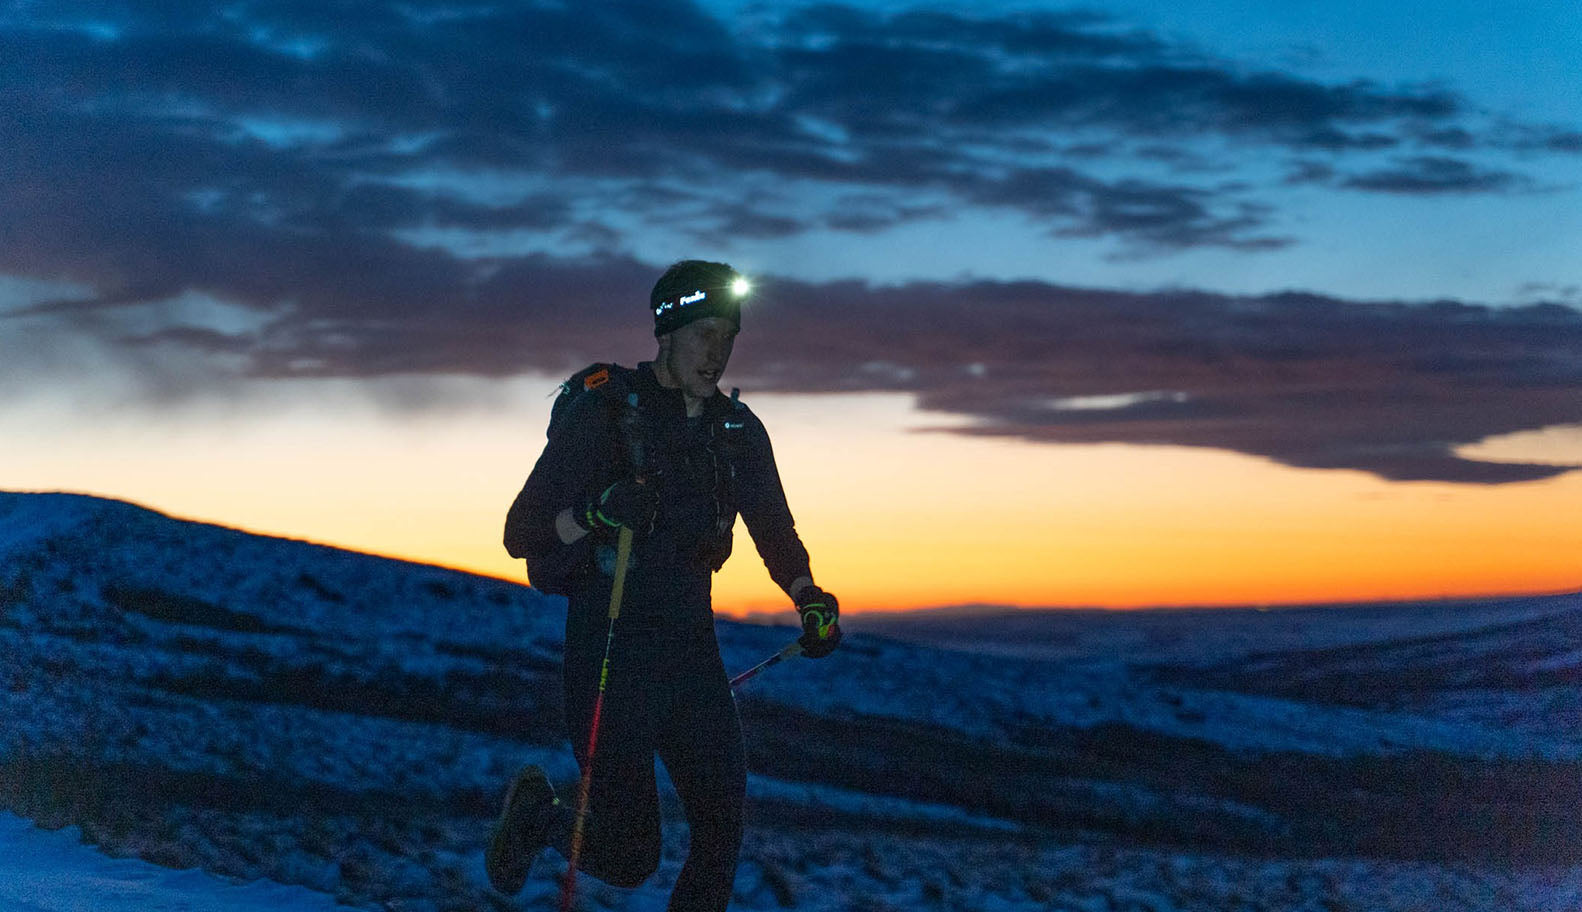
(1200, 301)
(1513, 68)
(1329, 234)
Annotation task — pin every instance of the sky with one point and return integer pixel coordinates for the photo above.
(1125, 304)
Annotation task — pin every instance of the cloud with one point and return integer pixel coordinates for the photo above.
(1448, 138)
(176, 147)
(1550, 291)
(883, 73)
(1563, 141)
(1389, 388)
(1310, 172)
(383, 189)
(1543, 138)
(1424, 175)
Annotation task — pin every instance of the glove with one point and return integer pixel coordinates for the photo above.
(820, 621)
(628, 502)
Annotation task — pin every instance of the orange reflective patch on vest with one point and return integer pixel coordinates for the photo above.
(596, 379)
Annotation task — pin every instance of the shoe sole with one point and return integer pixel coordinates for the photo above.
(509, 882)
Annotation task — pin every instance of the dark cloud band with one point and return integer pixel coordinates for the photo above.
(1388, 388)
(274, 118)
(387, 190)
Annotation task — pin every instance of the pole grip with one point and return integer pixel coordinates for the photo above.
(623, 554)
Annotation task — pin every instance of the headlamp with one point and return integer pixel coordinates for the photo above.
(695, 290)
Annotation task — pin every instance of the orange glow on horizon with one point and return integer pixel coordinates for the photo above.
(893, 518)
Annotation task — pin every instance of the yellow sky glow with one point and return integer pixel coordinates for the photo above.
(894, 518)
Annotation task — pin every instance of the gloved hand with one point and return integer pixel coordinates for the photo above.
(629, 502)
(820, 621)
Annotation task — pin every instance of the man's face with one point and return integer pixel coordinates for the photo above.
(698, 354)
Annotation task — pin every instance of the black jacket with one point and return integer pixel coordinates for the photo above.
(707, 469)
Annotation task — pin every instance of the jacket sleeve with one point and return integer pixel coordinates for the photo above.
(576, 462)
(762, 501)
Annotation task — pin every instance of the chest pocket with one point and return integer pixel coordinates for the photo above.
(696, 464)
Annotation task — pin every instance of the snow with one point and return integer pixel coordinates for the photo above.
(823, 797)
(991, 696)
(44, 871)
(27, 519)
(265, 675)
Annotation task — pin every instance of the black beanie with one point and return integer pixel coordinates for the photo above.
(692, 290)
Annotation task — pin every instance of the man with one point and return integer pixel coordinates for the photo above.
(675, 465)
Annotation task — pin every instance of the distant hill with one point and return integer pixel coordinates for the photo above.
(260, 707)
(1196, 634)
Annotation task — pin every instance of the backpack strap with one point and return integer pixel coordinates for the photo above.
(607, 379)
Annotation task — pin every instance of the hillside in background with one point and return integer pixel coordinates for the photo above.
(1197, 635)
(264, 708)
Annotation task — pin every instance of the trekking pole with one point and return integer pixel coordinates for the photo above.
(568, 888)
(794, 648)
(623, 553)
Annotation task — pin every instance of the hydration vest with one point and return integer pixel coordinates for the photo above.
(722, 430)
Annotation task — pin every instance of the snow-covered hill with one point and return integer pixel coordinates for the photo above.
(267, 708)
(43, 871)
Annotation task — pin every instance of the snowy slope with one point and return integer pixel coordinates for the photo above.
(345, 722)
(44, 871)
(27, 520)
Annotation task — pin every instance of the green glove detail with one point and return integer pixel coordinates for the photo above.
(629, 502)
(820, 614)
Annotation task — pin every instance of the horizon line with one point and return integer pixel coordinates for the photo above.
(966, 608)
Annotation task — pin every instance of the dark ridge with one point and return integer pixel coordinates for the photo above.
(173, 608)
(1416, 805)
(1392, 673)
(522, 704)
